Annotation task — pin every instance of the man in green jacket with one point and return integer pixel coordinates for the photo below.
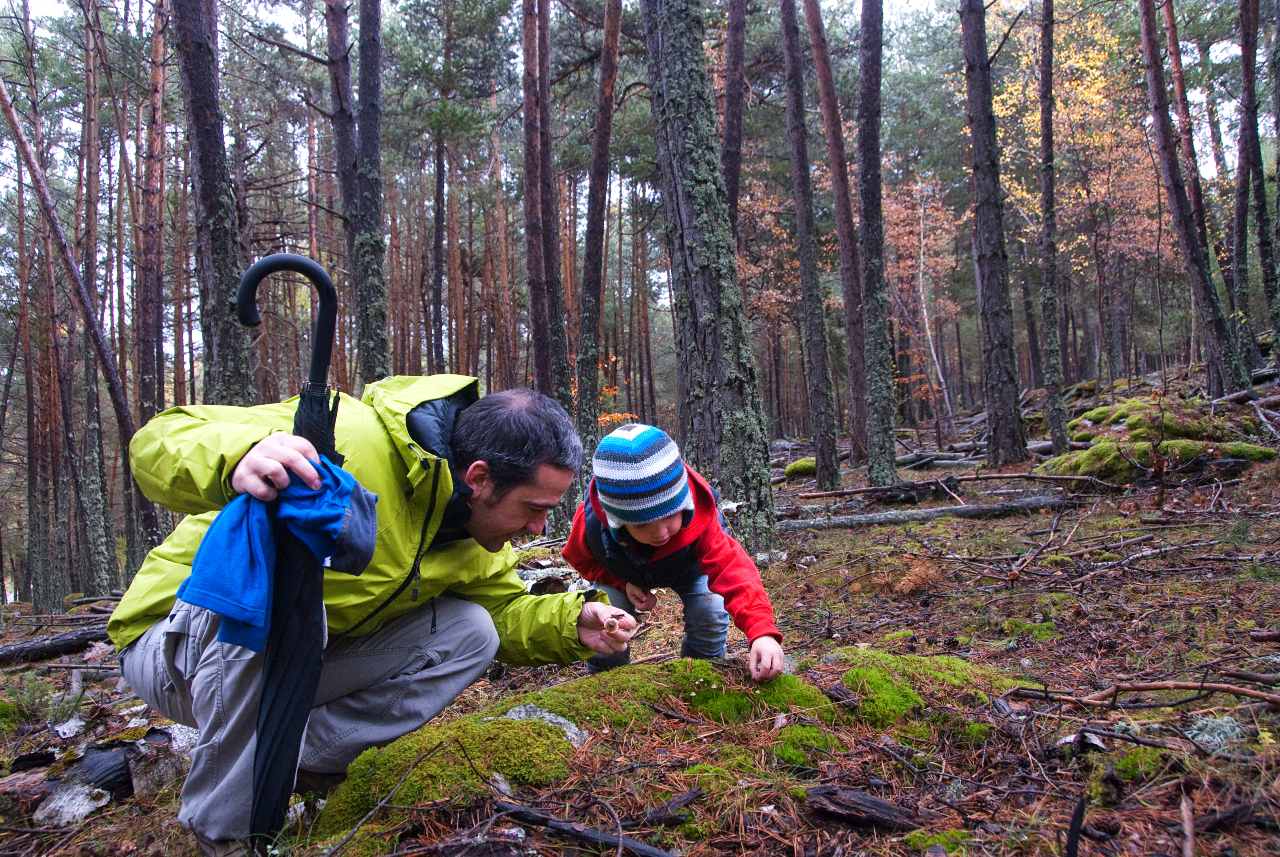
(456, 478)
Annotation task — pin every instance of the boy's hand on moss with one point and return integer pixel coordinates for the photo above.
(642, 599)
(605, 629)
(766, 658)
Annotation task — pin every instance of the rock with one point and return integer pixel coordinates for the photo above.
(575, 736)
(70, 803)
(155, 767)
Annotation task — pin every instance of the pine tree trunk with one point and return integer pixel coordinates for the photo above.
(846, 231)
(735, 96)
(535, 268)
(724, 431)
(504, 318)
(453, 237)
(878, 356)
(1257, 177)
(438, 261)
(561, 373)
(1054, 413)
(369, 246)
(1006, 443)
(812, 295)
(593, 242)
(1225, 368)
(227, 375)
(150, 329)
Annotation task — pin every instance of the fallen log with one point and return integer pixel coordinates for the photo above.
(907, 516)
(52, 647)
(859, 808)
(666, 814)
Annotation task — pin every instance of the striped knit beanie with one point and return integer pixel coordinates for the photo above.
(639, 475)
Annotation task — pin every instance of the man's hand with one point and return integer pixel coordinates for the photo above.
(642, 599)
(264, 470)
(605, 629)
(766, 658)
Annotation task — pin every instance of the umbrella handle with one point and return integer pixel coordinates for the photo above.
(326, 316)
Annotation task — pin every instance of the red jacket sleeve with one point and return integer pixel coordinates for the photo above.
(578, 554)
(731, 573)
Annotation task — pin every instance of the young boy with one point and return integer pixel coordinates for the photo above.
(650, 521)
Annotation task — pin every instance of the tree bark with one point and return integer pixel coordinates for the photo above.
(1007, 444)
(1225, 368)
(1257, 176)
(735, 96)
(504, 317)
(227, 378)
(878, 358)
(437, 260)
(535, 268)
(593, 244)
(1055, 414)
(150, 331)
(812, 296)
(558, 357)
(846, 231)
(724, 429)
(368, 242)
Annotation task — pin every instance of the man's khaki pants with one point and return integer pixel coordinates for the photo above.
(372, 690)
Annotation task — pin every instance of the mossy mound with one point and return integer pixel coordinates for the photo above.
(951, 841)
(798, 744)
(453, 759)
(1118, 462)
(892, 686)
(801, 468)
(1115, 773)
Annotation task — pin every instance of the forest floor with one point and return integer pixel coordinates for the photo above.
(985, 679)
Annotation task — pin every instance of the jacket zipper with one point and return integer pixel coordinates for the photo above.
(414, 571)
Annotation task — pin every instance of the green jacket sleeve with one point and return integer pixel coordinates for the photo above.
(183, 458)
(532, 629)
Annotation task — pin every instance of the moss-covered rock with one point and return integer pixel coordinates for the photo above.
(801, 468)
(447, 761)
(1119, 462)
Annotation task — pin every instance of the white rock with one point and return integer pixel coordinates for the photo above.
(576, 736)
(70, 728)
(70, 803)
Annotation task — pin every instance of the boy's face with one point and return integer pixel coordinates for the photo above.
(659, 532)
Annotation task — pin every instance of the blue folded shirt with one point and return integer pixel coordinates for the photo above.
(234, 566)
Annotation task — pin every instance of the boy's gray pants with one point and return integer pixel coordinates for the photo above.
(372, 690)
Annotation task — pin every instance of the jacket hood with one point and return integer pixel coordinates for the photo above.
(705, 512)
(429, 433)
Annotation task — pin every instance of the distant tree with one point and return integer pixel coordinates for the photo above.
(723, 427)
(1223, 364)
(593, 244)
(1006, 442)
(735, 92)
(875, 298)
(1055, 414)
(846, 230)
(822, 417)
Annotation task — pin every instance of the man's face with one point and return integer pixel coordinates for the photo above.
(495, 520)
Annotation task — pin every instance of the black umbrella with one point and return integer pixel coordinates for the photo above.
(295, 644)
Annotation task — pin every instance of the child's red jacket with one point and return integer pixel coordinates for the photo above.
(703, 546)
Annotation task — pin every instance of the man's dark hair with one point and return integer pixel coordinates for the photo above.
(514, 432)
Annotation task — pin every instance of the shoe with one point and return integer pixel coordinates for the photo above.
(316, 783)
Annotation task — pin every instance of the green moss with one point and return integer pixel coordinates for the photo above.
(1263, 572)
(797, 744)
(1036, 630)
(1054, 560)
(915, 733)
(703, 689)
(712, 779)
(791, 693)
(951, 841)
(1139, 764)
(447, 761)
(884, 700)
(1117, 462)
(616, 698)
(923, 671)
(974, 734)
(904, 634)
(801, 467)
(9, 719)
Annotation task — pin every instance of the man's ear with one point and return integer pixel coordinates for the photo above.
(478, 479)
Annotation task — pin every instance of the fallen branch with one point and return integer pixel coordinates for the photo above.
(1265, 636)
(1108, 697)
(860, 808)
(577, 831)
(906, 516)
(52, 647)
(667, 813)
